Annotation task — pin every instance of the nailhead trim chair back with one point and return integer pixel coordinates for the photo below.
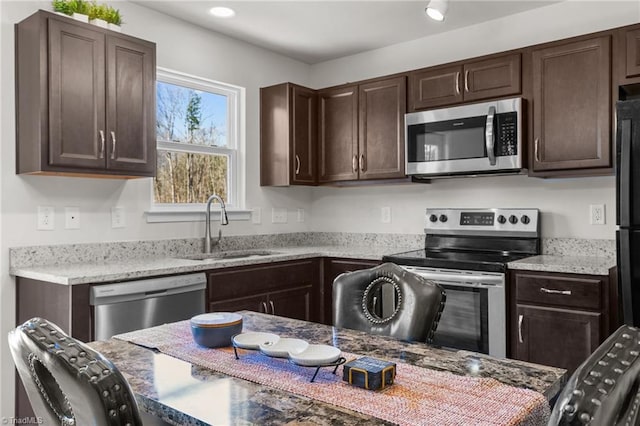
(605, 389)
(420, 303)
(67, 382)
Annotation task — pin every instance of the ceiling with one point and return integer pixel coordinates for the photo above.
(317, 31)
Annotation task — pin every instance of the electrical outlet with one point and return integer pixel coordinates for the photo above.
(385, 214)
(300, 215)
(278, 215)
(46, 216)
(597, 214)
(256, 216)
(72, 217)
(117, 217)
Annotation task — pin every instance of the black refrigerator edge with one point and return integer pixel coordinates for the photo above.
(628, 208)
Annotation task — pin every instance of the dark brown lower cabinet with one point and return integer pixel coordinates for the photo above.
(289, 289)
(560, 319)
(333, 268)
(558, 337)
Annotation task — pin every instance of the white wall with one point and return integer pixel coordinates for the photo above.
(182, 47)
(564, 202)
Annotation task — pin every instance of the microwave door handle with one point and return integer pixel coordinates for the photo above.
(490, 137)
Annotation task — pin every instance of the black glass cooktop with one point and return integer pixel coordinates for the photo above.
(456, 259)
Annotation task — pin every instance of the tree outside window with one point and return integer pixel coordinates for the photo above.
(196, 140)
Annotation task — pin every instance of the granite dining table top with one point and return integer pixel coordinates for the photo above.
(187, 394)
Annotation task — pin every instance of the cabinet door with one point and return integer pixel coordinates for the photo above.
(131, 111)
(304, 134)
(572, 106)
(492, 78)
(632, 53)
(338, 134)
(294, 303)
(434, 87)
(252, 303)
(381, 118)
(558, 337)
(76, 96)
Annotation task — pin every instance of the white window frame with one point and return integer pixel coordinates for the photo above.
(235, 150)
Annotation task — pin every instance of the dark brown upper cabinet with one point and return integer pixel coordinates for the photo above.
(362, 131)
(628, 57)
(85, 100)
(288, 135)
(493, 77)
(338, 134)
(571, 107)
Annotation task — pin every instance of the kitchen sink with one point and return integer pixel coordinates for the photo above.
(231, 254)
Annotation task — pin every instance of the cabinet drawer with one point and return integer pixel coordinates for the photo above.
(578, 292)
(246, 281)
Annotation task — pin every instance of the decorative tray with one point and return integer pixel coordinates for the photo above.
(297, 351)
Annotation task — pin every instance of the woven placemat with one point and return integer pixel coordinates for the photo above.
(419, 396)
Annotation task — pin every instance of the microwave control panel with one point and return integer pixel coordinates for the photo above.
(507, 136)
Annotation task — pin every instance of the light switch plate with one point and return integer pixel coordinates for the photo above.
(72, 217)
(385, 214)
(278, 215)
(300, 215)
(117, 217)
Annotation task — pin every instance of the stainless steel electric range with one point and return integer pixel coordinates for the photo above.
(467, 251)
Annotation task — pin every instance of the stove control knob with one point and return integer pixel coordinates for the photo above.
(443, 218)
(433, 218)
(502, 219)
(525, 219)
(513, 220)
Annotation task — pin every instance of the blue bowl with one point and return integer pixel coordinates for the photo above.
(215, 329)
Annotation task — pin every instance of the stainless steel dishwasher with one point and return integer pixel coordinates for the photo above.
(133, 305)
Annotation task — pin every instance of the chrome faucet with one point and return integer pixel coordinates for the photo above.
(224, 220)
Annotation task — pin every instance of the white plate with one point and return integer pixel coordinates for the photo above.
(284, 348)
(253, 340)
(317, 355)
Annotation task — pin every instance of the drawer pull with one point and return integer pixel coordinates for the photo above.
(264, 307)
(520, 318)
(548, 291)
(273, 308)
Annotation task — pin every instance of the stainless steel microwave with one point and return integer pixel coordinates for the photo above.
(465, 140)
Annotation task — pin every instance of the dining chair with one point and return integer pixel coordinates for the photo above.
(388, 300)
(605, 389)
(67, 382)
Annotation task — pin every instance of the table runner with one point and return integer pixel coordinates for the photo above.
(419, 396)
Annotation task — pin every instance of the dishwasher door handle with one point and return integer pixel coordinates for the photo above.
(155, 293)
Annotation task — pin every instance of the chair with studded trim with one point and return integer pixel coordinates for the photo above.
(67, 382)
(388, 300)
(605, 389)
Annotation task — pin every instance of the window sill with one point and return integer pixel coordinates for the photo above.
(190, 215)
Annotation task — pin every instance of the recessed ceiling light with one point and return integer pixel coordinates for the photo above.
(222, 12)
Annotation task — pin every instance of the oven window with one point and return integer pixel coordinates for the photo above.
(450, 140)
(464, 323)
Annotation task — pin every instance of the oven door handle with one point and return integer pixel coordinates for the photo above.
(490, 137)
(462, 280)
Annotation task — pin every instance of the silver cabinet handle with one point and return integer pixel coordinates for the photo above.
(466, 81)
(354, 163)
(520, 318)
(264, 306)
(113, 139)
(458, 83)
(489, 136)
(549, 291)
(297, 164)
(101, 144)
(535, 149)
(362, 162)
(273, 308)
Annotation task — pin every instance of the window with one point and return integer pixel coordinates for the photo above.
(198, 142)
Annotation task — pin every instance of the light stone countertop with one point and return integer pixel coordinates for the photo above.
(90, 273)
(589, 265)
